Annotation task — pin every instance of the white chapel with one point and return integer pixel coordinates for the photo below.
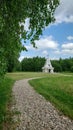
(47, 68)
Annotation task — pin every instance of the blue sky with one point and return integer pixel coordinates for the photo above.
(57, 38)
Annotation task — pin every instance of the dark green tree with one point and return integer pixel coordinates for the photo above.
(34, 64)
(13, 14)
(63, 65)
(57, 66)
(71, 69)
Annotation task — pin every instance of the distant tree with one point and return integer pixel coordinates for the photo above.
(66, 64)
(17, 66)
(13, 65)
(63, 65)
(57, 66)
(32, 64)
(71, 69)
(26, 64)
(38, 63)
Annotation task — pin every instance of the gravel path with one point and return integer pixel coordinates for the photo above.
(34, 112)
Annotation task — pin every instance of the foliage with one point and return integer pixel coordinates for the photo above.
(63, 65)
(2, 64)
(71, 68)
(32, 64)
(58, 89)
(57, 66)
(13, 65)
(17, 66)
(13, 15)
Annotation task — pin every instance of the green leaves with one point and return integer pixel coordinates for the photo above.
(32, 64)
(40, 14)
(2, 63)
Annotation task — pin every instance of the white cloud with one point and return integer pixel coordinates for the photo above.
(25, 25)
(70, 37)
(45, 52)
(57, 52)
(46, 43)
(29, 47)
(64, 12)
(67, 46)
(54, 58)
(69, 19)
(67, 51)
(21, 58)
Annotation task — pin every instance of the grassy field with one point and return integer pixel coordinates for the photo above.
(24, 75)
(58, 89)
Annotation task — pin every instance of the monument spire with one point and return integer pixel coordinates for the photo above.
(48, 66)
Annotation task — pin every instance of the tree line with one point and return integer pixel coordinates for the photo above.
(35, 64)
(63, 65)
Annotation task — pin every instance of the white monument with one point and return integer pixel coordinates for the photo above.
(47, 68)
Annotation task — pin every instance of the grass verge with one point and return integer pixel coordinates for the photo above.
(58, 89)
(5, 99)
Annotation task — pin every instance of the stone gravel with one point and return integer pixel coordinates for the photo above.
(34, 112)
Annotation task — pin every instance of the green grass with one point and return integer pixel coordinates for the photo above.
(5, 98)
(58, 89)
(24, 75)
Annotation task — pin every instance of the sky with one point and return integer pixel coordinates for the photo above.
(57, 39)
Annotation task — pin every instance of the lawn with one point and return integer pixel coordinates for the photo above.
(24, 75)
(58, 89)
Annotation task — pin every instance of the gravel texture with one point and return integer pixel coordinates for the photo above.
(33, 112)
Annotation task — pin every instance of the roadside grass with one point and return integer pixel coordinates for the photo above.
(58, 89)
(5, 99)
